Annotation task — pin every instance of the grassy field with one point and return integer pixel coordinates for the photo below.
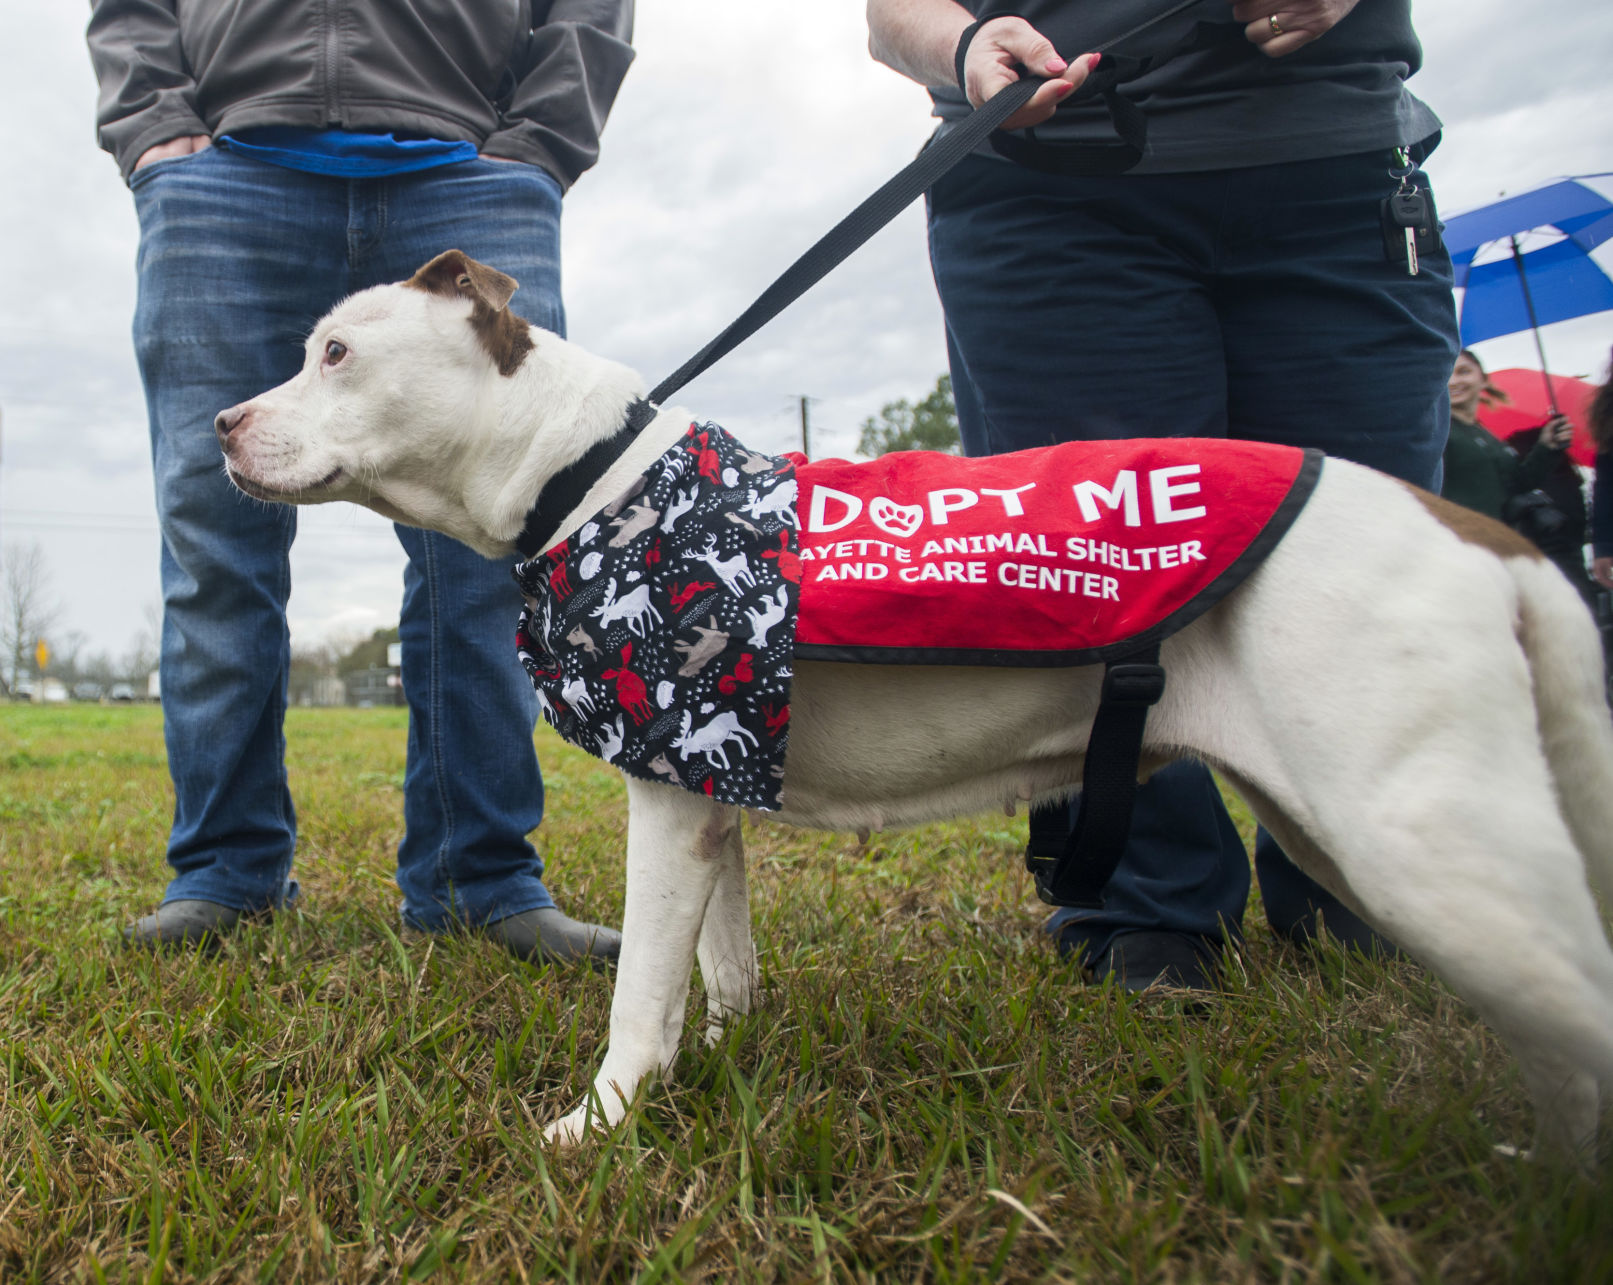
(929, 1093)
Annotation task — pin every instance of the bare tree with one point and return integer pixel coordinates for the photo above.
(66, 655)
(145, 648)
(29, 609)
(313, 669)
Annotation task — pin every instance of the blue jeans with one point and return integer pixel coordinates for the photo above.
(1255, 303)
(237, 261)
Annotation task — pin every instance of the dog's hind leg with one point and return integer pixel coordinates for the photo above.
(1566, 1105)
(726, 953)
(1392, 710)
(1500, 911)
(1566, 668)
(1503, 913)
(676, 843)
(1457, 851)
(1527, 952)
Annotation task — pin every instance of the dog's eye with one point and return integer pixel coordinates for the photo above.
(335, 350)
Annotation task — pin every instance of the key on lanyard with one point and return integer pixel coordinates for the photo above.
(1410, 225)
(1408, 211)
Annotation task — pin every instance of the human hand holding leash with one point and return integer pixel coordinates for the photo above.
(1279, 27)
(1000, 48)
(920, 38)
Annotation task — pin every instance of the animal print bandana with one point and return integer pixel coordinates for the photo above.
(660, 634)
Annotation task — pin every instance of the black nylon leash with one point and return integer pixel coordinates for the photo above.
(1102, 82)
(897, 193)
(916, 178)
(562, 493)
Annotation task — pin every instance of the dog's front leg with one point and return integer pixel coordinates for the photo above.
(727, 957)
(675, 845)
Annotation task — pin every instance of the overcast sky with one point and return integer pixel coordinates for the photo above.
(745, 129)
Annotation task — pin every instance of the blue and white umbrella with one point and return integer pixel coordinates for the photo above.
(1525, 261)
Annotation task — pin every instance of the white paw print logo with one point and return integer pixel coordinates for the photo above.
(900, 520)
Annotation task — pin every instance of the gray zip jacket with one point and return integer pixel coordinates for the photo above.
(530, 80)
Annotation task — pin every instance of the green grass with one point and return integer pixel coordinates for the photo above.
(928, 1092)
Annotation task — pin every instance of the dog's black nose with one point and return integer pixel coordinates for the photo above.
(227, 422)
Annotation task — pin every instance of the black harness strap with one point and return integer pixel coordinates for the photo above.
(1072, 870)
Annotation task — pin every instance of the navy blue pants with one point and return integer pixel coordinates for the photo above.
(1253, 303)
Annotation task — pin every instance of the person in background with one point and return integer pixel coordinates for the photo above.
(1533, 487)
(1239, 281)
(1481, 471)
(281, 157)
(1564, 486)
(1600, 424)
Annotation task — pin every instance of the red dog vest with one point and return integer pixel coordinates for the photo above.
(1062, 555)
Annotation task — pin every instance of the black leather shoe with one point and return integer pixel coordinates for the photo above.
(551, 936)
(185, 923)
(1141, 960)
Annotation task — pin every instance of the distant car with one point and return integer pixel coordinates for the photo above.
(88, 691)
(122, 692)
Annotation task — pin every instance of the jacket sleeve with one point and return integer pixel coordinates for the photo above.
(147, 93)
(1535, 467)
(575, 63)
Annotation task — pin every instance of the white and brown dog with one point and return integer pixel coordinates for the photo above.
(1405, 693)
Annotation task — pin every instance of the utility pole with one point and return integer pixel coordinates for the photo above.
(806, 428)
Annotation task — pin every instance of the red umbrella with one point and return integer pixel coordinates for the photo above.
(1528, 408)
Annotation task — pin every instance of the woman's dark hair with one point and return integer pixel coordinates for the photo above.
(1600, 414)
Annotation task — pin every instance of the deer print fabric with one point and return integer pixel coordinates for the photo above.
(660, 634)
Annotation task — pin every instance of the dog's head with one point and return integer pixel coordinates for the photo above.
(404, 404)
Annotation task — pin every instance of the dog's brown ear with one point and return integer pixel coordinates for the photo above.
(454, 274)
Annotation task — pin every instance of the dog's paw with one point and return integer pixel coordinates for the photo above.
(604, 1109)
(571, 1129)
